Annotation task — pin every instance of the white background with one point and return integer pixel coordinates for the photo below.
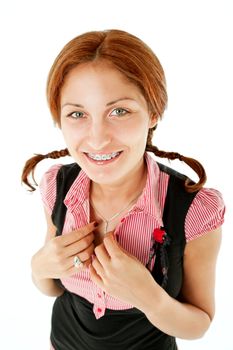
(193, 40)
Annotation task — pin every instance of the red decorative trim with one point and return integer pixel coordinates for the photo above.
(159, 235)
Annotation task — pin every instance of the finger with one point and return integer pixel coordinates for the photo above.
(72, 270)
(84, 256)
(111, 246)
(110, 233)
(78, 234)
(95, 277)
(99, 269)
(79, 246)
(102, 255)
(77, 262)
(87, 253)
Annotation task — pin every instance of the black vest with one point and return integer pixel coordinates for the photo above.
(74, 326)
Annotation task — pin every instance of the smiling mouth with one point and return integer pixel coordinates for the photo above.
(103, 157)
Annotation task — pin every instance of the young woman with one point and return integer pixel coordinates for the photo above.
(131, 246)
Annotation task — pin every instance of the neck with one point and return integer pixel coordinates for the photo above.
(123, 191)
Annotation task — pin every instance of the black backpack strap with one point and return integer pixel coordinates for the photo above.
(177, 203)
(168, 268)
(65, 178)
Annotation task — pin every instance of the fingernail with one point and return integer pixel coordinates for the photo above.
(94, 223)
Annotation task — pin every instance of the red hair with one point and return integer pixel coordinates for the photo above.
(132, 57)
(125, 52)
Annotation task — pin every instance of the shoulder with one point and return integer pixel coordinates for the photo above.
(206, 213)
(48, 187)
(203, 210)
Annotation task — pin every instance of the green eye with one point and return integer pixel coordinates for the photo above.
(119, 111)
(76, 115)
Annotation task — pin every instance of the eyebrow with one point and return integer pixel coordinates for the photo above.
(108, 104)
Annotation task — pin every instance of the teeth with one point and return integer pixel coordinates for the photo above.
(103, 156)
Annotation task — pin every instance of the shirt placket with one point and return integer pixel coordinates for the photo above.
(99, 306)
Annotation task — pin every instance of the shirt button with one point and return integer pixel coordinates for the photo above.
(99, 309)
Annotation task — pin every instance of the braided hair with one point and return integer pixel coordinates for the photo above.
(29, 167)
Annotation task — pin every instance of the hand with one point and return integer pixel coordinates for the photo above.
(56, 258)
(119, 273)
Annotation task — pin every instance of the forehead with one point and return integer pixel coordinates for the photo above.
(98, 78)
(95, 69)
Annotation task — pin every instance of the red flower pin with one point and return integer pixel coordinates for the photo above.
(159, 235)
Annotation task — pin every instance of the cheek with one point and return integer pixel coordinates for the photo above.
(72, 135)
(135, 132)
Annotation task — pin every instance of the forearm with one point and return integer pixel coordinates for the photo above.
(48, 286)
(177, 319)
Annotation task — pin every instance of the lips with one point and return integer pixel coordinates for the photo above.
(104, 156)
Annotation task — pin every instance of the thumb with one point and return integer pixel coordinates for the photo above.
(110, 234)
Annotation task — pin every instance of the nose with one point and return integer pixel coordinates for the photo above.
(99, 135)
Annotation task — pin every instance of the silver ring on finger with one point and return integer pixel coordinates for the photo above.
(77, 262)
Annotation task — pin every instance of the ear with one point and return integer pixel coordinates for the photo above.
(153, 121)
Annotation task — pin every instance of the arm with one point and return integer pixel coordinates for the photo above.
(124, 277)
(190, 318)
(46, 285)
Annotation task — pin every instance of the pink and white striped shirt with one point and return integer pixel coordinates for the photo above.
(205, 214)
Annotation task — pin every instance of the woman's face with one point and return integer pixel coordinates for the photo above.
(103, 115)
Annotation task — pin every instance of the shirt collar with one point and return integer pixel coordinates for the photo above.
(78, 192)
(147, 202)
